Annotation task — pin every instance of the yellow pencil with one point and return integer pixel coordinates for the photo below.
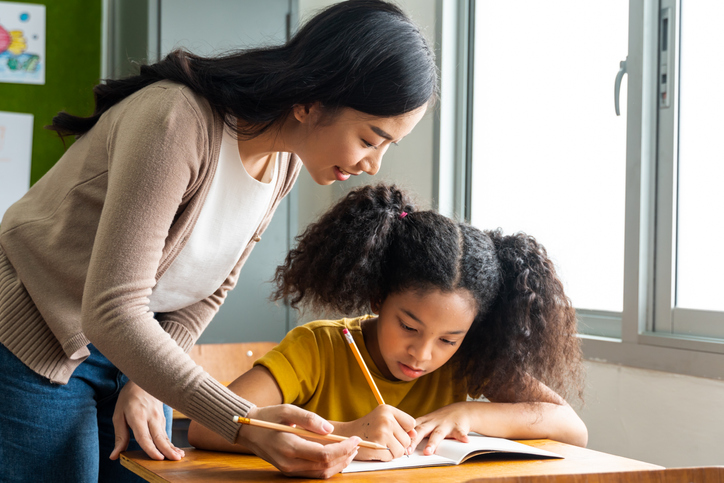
(363, 366)
(302, 432)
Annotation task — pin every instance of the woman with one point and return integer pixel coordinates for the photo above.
(116, 260)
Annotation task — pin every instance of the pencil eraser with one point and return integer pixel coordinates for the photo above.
(345, 331)
(236, 419)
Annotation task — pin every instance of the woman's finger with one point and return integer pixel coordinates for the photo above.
(143, 437)
(331, 471)
(330, 455)
(307, 420)
(123, 436)
(295, 456)
(157, 428)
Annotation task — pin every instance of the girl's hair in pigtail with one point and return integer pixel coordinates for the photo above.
(529, 332)
(373, 244)
(337, 263)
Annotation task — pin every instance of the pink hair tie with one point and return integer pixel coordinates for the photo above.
(403, 214)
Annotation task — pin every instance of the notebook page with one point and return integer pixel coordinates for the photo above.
(450, 452)
(456, 451)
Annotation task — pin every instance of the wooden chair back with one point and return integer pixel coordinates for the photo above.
(226, 362)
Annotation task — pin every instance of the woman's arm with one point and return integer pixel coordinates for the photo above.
(257, 386)
(292, 455)
(551, 417)
(385, 425)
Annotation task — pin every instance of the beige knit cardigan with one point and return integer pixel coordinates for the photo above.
(81, 251)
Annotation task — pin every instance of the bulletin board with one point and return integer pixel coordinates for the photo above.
(73, 66)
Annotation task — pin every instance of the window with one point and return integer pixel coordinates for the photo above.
(549, 150)
(689, 286)
(628, 206)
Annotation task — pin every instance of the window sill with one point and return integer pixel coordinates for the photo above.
(697, 357)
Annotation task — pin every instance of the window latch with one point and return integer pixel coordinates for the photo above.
(617, 85)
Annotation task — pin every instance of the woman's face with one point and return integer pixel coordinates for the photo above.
(350, 144)
(416, 333)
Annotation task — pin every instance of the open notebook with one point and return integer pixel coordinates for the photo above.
(451, 452)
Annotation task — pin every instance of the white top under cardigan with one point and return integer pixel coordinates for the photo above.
(232, 211)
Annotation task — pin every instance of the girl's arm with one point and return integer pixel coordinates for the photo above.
(549, 418)
(257, 386)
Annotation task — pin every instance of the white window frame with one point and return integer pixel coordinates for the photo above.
(648, 333)
(667, 317)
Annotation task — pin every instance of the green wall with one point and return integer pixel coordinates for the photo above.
(72, 68)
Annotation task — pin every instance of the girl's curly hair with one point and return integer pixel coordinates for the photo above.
(363, 250)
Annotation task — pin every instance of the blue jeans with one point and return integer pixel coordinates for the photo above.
(57, 433)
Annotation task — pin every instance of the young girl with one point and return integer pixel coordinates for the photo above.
(459, 312)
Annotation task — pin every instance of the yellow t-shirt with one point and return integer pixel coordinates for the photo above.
(317, 371)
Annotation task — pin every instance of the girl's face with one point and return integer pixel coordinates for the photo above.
(350, 144)
(416, 333)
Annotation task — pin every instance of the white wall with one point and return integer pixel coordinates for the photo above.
(658, 417)
(661, 418)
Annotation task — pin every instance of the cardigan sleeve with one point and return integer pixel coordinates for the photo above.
(158, 149)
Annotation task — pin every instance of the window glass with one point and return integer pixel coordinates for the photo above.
(700, 222)
(548, 150)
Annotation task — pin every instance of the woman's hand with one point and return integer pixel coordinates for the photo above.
(143, 413)
(385, 425)
(291, 454)
(452, 421)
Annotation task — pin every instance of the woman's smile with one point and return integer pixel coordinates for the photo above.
(341, 174)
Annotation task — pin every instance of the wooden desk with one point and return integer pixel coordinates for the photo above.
(208, 466)
(702, 474)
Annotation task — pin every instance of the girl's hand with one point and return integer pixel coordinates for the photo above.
(524, 420)
(452, 421)
(143, 413)
(385, 425)
(291, 454)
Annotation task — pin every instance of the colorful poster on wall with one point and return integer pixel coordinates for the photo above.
(16, 144)
(22, 43)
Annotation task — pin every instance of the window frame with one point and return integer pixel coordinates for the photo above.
(667, 317)
(641, 335)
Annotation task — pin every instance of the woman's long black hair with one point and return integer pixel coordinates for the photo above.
(363, 250)
(362, 54)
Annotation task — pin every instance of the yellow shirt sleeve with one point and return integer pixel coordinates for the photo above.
(295, 364)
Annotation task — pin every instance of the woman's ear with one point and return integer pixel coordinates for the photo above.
(304, 113)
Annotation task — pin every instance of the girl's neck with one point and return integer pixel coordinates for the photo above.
(369, 334)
